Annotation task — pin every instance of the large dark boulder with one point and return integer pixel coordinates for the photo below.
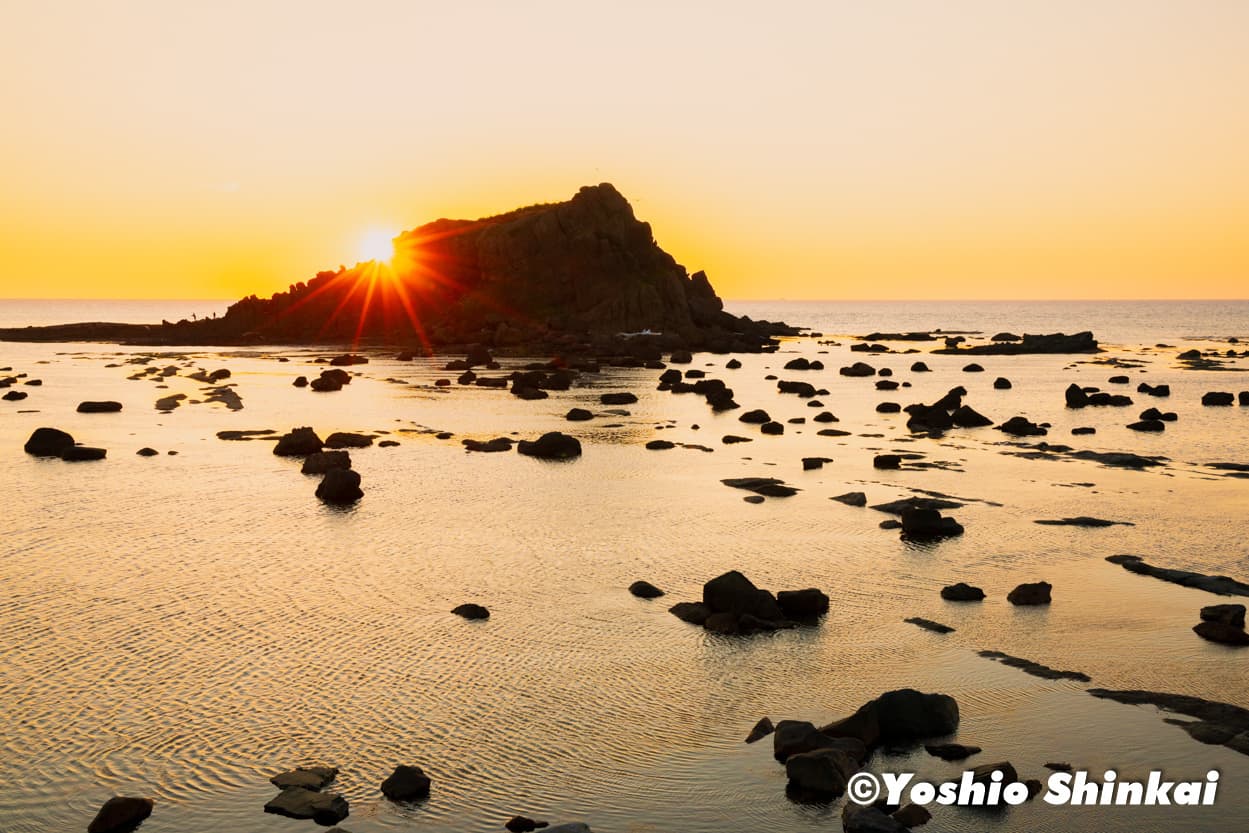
(298, 442)
(733, 593)
(1036, 593)
(1076, 397)
(1218, 398)
(48, 442)
(551, 446)
(821, 771)
(802, 604)
(901, 716)
(962, 592)
(120, 814)
(406, 783)
(340, 486)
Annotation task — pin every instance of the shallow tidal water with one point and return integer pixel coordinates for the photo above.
(183, 627)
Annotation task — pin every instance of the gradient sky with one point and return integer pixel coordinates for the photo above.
(958, 149)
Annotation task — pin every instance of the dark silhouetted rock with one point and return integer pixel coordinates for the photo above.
(1001, 383)
(147, 452)
(622, 398)
(1227, 614)
(761, 730)
(772, 428)
(735, 594)
(967, 417)
(696, 613)
(802, 604)
(120, 814)
(300, 382)
(929, 625)
(928, 523)
(887, 461)
(1221, 585)
(551, 446)
(858, 369)
(920, 367)
(298, 442)
(1083, 431)
(821, 771)
(852, 499)
(48, 442)
(406, 783)
(1076, 397)
(299, 803)
(495, 446)
(346, 439)
(645, 590)
(1222, 633)
(340, 486)
(1217, 398)
(1083, 342)
(858, 819)
(1037, 593)
(757, 417)
(1036, 669)
(82, 453)
(471, 611)
(951, 751)
(912, 815)
(962, 592)
(766, 486)
(307, 777)
(973, 368)
(578, 415)
(106, 407)
(1020, 427)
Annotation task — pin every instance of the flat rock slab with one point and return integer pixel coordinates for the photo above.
(1036, 669)
(300, 803)
(1220, 585)
(766, 486)
(313, 778)
(929, 625)
(1084, 521)
(1218, 723)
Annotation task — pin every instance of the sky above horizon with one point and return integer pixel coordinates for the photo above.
(888, 150)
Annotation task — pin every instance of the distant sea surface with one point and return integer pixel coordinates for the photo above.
(1116, 322)
(185, 625)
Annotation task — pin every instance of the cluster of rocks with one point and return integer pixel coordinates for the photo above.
(340, 484)
(819, 762)
(1082, 342)
(718, 394)
(53, 442)
(732, 604)
(946, 413)
(1224, 398)
(330, 380)
(1078, 397)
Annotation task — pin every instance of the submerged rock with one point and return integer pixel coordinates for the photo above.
(1221, 585)
(300, 803)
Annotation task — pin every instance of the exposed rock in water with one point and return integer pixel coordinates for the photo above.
(901, 716)
(120, 814)
(1036, 669)
(300, 803)
(105, 407)
(766, 486)
(406, 783)
(471, 611)
(309, 778)
(1218, 398)
(551, 446)
(645, 590)
(1084, 521)
(1036, 593)
(1021, 427)
(802, 605)
(578, 415)
(851, 499)
(761, 730)
(1001, 383)
(494, 446)
(1082, 342)
(82, 453)
(1222, 632)
(622, 398)
(298, 442)
(887, 461)
(1216, 722)
(820, 772)
(696, 613)
(48, 442)
(929, 625)
(962, 592)
(928, 523)
(897, 507)
(1221, 585)
(1228, 614)
(340, 486)
(951, 751)
(147, 452)
(346, 439)
(870, 819)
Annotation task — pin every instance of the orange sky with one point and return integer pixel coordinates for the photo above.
(965, 149)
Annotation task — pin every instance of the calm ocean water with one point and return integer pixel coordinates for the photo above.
(185, 626)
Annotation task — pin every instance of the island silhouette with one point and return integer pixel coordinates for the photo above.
(580, 273)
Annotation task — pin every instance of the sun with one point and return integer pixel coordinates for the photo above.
(378, 244)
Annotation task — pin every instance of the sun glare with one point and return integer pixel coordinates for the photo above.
(378, 245)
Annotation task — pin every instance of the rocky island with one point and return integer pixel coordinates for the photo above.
(561, 276)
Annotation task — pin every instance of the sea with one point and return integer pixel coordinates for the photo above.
(186, 625)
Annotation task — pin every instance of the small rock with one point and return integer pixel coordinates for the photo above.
(104, 407)
(406, 783)
(761, 730)
(310, 778)
(578, 415)
(1037, 593)
(81, 453)
(471, 611)
(120, 814)
(952, 751)
(299, 803)
(147, 452)
(887, 461)
(340, 486)
(551, 446)
(645, 590)
(852, 499)
(962, 592)
(1228, 614)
